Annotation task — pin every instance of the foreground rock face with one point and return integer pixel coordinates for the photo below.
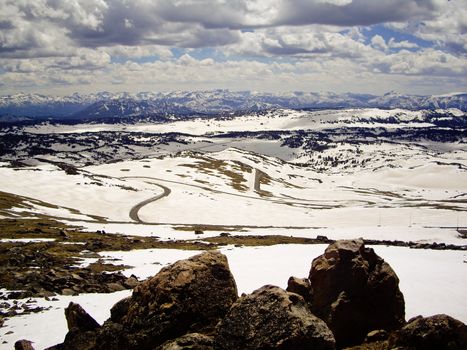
(355, 291)
(271, 318)
(193, 304)
(190, 295)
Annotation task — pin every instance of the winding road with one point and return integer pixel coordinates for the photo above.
(134, 212)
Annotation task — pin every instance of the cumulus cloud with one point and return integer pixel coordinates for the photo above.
(276, 44)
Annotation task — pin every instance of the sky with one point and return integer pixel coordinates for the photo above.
(363, 46)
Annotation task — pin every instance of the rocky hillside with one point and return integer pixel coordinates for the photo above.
(351, 299)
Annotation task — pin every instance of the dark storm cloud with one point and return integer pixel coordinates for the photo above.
(354, 13)
(209, 14)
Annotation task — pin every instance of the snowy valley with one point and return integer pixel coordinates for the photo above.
(395, 177)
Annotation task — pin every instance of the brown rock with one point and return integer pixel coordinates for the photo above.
(82, 330)
(115, 287)
(189, 295)
(271, 318)
(355, 291)
(23, 345)
(439, 332)
(300, 286)
(192, 341)
(68, 291)
(79, 319)
(131, 282)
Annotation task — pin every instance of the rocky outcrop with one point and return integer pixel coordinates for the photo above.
(351, 298)
(271, 318)
(355, 291)
(439, 332)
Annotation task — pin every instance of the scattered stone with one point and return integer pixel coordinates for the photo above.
(192, 341)
(351, 285)
(198, 232)
(23, 345)
(224, 234)
(439, 332)
(271, 318)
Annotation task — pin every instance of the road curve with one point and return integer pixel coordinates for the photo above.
(134, 212)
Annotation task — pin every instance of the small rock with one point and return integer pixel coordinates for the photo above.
(115, 287)
(79, 319)
(198, 232)
(322, 238)
(23, 345)
(68, 291)
(377, 335)
(300, 286)
(131, 282)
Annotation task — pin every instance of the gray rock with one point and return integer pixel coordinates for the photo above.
(271, 318)
(355, 291)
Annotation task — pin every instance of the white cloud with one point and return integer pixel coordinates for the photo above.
(256, 44)
(378, 42)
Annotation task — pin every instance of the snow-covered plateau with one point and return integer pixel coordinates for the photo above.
(382, 175)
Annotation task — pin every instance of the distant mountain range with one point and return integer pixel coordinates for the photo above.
(148, 104)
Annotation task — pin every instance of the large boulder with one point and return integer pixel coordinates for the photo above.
(271, 318)
(355, 291)
(439, 332)
(188, 296)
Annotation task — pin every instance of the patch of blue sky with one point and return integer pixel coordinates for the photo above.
(389, 33)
